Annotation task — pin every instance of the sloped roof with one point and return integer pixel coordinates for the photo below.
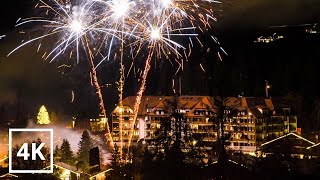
(280, 102)
(286, 136)
(314, 149)
(161, 102)
(8, 175)
(289, 143)
(233, 102)
(100, 172)
(67, 166)
(256, 102)
(253, 104)
(314, 146)
(189, 102)
(146, 102)
(269, 104)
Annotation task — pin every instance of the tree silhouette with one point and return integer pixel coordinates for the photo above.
(66, 152)
(116, 164)
(57, 152)
(85, 145)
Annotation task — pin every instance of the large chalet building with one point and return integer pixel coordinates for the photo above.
(248, 121)
(256, 121)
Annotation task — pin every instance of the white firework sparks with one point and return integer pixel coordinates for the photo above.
(102, 28)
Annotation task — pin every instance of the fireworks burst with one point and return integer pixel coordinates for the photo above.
(108, 29)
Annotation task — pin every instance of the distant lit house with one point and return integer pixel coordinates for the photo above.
(98, 124)
(289, 145)
(313, 151)
(257, 120)
(8, 176)
(4, 174)
(101, 175)
(92, 124)
(249, 121)
(314, 29)
(269, 39)
(67, 172)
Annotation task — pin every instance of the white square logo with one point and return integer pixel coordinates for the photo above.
(30, 151)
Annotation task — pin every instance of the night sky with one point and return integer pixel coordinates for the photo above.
(290, 64)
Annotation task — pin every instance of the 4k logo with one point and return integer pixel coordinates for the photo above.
(23, 151)
(31, 152)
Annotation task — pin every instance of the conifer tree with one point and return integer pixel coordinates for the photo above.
(56, 152)
(66, 152)
(85, 145)
(43, 116)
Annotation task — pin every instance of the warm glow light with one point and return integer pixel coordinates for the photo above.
(76, 26)
(194, 142)
(65, 174)
(120, 110)
(43, 116)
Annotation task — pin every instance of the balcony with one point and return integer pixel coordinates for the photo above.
(210, 139)
(201, 123)
(200, 131)
(243, 148)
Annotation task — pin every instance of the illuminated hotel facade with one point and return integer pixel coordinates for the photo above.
(256, 121)
(248, 121)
